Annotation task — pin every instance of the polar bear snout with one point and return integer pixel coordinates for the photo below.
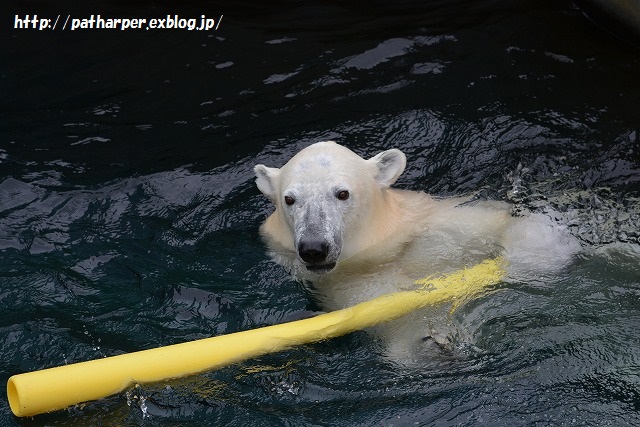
(314, 253)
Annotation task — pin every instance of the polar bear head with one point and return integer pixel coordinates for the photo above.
(327, 199)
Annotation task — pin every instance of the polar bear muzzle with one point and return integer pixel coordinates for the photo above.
(314, 253)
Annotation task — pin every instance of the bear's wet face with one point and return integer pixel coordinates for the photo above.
(316, 223)
(323, 198)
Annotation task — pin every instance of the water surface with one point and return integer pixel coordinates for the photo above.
(129, 215)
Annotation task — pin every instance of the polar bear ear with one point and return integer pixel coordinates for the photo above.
(265, 180)
(390, 165)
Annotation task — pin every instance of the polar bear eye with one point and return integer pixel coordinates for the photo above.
(289, 200)
(343, 195)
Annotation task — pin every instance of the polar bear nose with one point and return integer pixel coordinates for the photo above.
(313, 252)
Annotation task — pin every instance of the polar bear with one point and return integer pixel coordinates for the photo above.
(339, 226)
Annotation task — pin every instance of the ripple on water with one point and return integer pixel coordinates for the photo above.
(160, 252)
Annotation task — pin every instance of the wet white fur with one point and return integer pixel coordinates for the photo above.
(383, 239)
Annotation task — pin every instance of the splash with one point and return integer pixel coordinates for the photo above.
(596, 216)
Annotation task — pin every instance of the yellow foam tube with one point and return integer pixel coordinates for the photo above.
(56, 388)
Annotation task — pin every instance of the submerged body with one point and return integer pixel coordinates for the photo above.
(339, 226)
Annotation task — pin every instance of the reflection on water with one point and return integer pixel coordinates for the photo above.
(129, 216)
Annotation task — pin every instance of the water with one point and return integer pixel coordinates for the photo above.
(129, 216)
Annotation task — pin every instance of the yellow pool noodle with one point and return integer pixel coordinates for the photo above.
(57, 388)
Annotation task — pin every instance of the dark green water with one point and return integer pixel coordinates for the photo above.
(129, 216)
